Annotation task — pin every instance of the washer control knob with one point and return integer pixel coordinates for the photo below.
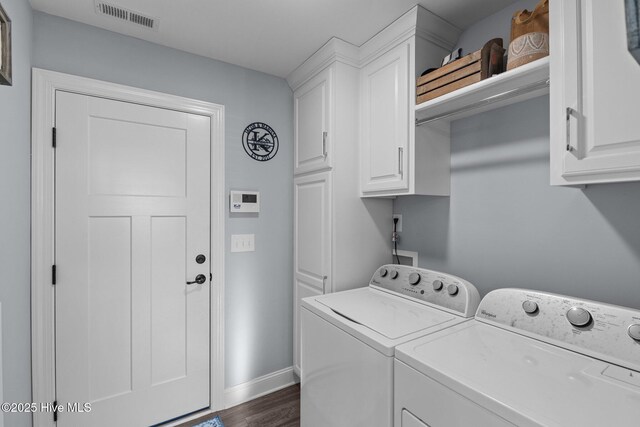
(394, 274)
(578, 316)
(414, 279)
(634, 331)
(437, 285)
(452, 289)
(383, 272)
(529, 306)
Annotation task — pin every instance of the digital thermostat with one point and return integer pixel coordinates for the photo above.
(244, 201)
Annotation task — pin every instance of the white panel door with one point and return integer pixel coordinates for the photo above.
(132, 213)
(603, 135)
(385, 121)
(312, 123)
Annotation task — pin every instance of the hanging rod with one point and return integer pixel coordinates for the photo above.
(488, 101)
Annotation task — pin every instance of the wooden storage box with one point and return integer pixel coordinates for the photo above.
(460, 73)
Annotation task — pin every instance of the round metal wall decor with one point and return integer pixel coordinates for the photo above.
(260, 141)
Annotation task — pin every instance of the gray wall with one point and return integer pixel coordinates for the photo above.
(258, 288)
(496, 25)
(15, 113)
(505, 226)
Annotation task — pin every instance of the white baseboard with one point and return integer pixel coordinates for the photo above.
(258, 387)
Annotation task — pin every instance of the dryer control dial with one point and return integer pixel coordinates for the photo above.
(634, 331)
(437, 285)
(414, 279)
(452, 289)
(578, 316)
(383, 272)
(529, 306)
(394, 274)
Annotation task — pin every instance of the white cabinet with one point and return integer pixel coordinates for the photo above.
(312, 243)
(396, 157)
(312, 229)
(595, 88)
(384, 86)
(340, 239)
(312, 123)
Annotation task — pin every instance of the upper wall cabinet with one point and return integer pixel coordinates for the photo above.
(385, 119)
(312, 123)
(396, 158)
(595, 90)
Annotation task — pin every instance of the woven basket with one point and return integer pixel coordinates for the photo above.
(529, 35)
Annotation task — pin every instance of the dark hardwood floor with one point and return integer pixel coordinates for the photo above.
(279, 409)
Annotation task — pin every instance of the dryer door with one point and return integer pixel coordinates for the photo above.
(416, 395)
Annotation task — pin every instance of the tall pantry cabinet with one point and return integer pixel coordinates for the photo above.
(339, 238)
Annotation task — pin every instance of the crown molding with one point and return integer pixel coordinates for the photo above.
(433, 28)
(333, 50)
(418, 22)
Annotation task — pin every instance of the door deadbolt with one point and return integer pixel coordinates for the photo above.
(200, 259)
(200, 279)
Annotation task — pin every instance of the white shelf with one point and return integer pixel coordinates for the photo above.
(525, 82)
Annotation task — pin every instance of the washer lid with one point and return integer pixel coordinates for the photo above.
(391, 316)
(524, 380)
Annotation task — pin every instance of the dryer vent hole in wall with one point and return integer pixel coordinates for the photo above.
(127, 15)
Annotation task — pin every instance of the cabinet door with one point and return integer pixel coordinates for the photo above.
(312, 245)
(595, 126)
(385, 121)
(312, 230)
(301, 290)
(312, 122)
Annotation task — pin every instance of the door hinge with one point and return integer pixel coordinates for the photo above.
(53, 274)
(53, 137)
(211, 277)
(55, 411)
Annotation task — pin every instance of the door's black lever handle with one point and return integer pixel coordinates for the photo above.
(200, 279)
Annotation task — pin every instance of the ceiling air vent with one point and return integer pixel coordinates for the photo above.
(127, 15)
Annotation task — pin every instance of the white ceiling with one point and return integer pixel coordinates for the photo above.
(273, 36)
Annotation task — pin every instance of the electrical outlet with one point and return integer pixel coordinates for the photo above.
(399, 225)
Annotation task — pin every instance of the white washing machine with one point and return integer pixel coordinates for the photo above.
(528, 359)
(348, 340)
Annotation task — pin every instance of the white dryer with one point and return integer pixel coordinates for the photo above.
(348, 340)
(528, 359)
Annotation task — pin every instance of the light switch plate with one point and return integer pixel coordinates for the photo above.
(243, 243)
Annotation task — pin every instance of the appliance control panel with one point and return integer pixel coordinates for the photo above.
(244, 201)
(600, 330)
(442, 290)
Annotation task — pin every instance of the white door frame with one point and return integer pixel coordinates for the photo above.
(44, 85)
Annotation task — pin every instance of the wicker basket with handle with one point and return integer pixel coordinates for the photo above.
(529, 35)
